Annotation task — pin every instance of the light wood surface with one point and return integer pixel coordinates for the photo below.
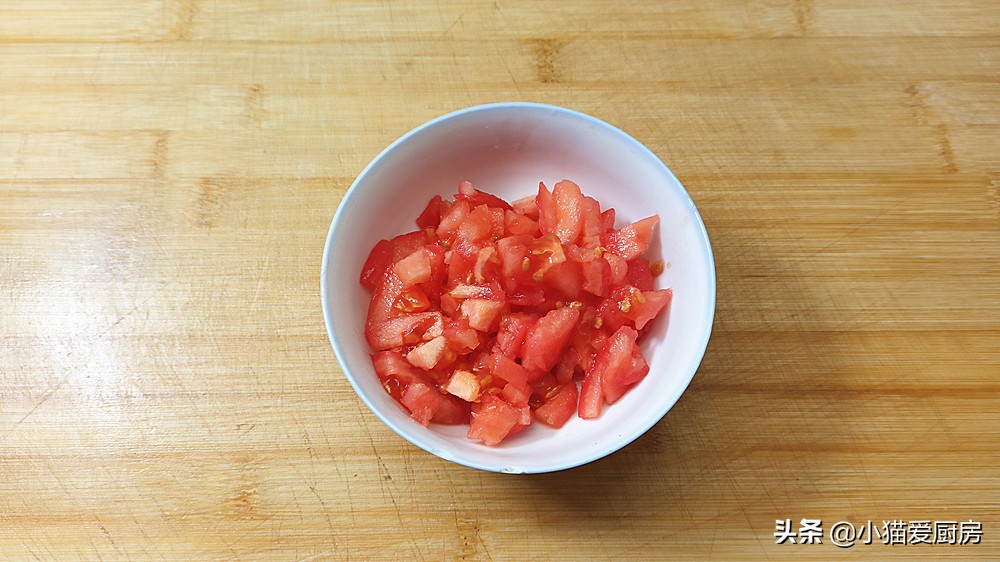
(169, 169)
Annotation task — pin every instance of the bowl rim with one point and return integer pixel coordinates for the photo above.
(645, 152)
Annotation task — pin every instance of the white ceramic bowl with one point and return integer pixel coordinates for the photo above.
(506, 149)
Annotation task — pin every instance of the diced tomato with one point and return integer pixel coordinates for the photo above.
(412, 299)
(477, 225)
(498, 225)
(508, 370)
(452, 219)
(379, 259)
(607, 220)
(558, 409)
(422, 402)
(567, 199)
(449, 305)
(629, 242)
(487, 265)
(439, 272)
(546, 339)
(381, 307)
(546, 210)
(461, 337)
(405, 244)
(567, 279)
(464, 385)
(614, 362)
(527, 296)
(492, 420)
(656, 301)
(451, 411)
(431, 216)
(459, 268)
(566, 367)
(591, 228)
(515, 395)
(513, 329)
(591, 397)
(400, 331)
(481, 313)
(427, 354)
(395, 372)
(627, 304)
(639, 275)
(638, 369)
(527, 206)
(388, 252)
(515, 266)
(619, 268)
(543, 389)
(492, 291)
(414, 268)
(518, 224)
(466, 192)
(545, 253)
(491, 314)
(597, 277)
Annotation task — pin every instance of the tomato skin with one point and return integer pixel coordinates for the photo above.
(546, 339)
(619, 268)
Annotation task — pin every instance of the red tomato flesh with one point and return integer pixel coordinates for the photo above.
(496, 315)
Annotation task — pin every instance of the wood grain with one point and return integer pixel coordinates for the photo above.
(169, 169)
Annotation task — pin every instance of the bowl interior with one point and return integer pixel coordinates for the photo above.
(506, 149)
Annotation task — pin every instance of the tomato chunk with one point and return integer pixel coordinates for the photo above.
(558, 409)
(492, 420)
(631, 241)
(546, 339)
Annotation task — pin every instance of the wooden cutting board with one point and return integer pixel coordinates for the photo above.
(169, 169)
